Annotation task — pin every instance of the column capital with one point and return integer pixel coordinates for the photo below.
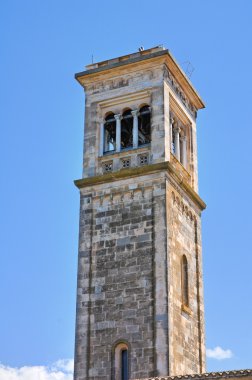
(134, 113)
(177, 128)
(183, 137)
(118, 116)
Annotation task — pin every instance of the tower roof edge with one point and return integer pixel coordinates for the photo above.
(142, 55)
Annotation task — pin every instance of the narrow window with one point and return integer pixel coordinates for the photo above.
(184, 281)
(144, 128)
(127, 130)
(110, 133)
(124, 360)
(121, 362)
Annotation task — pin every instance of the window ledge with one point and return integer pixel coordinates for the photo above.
(122, 152)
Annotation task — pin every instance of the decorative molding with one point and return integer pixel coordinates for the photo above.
(123, 196)
(125, 80)
(125, 162)
(169, 78)
(107, 166)
(130, 151)
(111, 84)
(177, 112)
(130, 97)
(143, 159)
(182, 207)
(143, 170)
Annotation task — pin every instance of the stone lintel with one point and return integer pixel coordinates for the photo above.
(138, 171)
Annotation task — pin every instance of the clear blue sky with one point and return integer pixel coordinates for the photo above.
(43, 43)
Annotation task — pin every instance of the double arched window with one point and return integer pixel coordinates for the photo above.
(131, 129)
(179, 140)
(184, 281)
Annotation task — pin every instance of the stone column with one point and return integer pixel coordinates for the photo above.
(184, 151)
(118, 132)
(177, 142)
(101, 150)
(171, 124)
(135, 128)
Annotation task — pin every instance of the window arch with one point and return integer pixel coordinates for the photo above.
(184, 281)
(121, 361)
(127, 130)
(180, 140)
(109, 133)
(144, 128)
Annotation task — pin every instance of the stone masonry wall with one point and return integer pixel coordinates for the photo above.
(186, 325)
(116, 281)
(133, 233)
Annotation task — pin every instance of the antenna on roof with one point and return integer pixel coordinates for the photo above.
(92, 58)
(141, 48)
(189, 69)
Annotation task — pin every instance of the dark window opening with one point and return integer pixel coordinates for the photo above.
(144, 127)
(124, 366)
(127, 130)
(109, 133)
(173, 141)
(185, 288)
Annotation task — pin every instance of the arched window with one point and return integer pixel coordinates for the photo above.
(144, 127)
(127, 130)
(179, 140)
(124, 361)
(184, 281)
(110, 133)
(121, 362)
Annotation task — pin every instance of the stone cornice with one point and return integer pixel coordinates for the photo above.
(209, 375)
(110, 66)
(139, 171)
(162, 56)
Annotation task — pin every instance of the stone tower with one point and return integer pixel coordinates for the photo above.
(140, 310)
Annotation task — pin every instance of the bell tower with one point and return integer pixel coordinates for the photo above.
(140, 310)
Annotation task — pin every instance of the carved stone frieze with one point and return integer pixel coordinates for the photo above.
(169, 78)
(107, 85)
(113, 84)
(182, 207)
